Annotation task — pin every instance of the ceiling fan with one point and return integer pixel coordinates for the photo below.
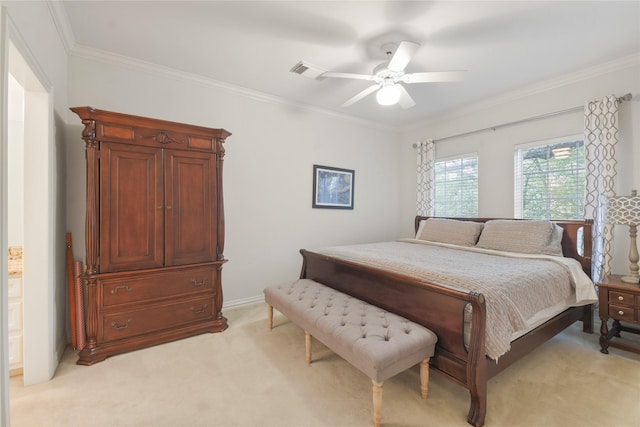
(389, 75)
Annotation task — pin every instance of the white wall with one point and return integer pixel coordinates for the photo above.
(496, 148)
(268, 167)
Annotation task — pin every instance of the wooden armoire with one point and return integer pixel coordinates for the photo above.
(154, 232)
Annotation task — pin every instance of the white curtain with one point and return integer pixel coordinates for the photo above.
(600, 138)
(425, 157)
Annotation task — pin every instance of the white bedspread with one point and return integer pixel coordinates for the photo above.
(516, 286)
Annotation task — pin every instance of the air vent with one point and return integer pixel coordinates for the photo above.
(299, 68)
(307, 70)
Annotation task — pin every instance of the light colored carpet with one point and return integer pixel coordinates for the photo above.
(248, 376)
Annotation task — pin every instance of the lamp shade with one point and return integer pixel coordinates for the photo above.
(624, 210)
(388, 95)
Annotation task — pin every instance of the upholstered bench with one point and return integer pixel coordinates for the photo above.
(378, 343)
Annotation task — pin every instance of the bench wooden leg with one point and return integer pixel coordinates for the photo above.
(424, 378)
(377, 403)
(270, 316)
(307, 347)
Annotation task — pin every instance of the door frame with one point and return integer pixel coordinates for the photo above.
(41, 354)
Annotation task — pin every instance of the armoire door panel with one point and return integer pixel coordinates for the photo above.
(191, 207)
(131, 208)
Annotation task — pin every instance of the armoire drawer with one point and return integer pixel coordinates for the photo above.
(155, 318)
(135, 288)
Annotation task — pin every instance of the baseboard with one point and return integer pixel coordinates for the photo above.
(60, 348)
(243, 301)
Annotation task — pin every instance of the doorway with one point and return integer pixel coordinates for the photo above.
(30, 185)
(15, 216)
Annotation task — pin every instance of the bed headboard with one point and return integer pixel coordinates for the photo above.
(576, 239)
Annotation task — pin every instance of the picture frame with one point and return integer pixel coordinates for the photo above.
(333, 188)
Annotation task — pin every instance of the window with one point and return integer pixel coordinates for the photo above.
(550, 179)
(456, 187)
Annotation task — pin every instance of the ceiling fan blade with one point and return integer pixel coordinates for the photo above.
(434, 76)
(405, 100)
(349, 76)
(361, 95)
(403, 55)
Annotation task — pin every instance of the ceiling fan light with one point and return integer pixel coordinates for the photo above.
(388, 95)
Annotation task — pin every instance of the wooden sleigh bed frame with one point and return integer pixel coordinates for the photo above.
(440, 308)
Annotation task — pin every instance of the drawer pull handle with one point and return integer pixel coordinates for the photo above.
(620, 298)
(115, 290)
(621, 313)
(125, 326)
(199, 310)
(198, 284)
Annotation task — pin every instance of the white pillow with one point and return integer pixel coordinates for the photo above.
(455, 232)
(522, 236)
(555, 244)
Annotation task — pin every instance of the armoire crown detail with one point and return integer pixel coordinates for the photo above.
(164, 138)
(154, 232)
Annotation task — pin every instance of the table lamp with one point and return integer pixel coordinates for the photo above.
(625, 210)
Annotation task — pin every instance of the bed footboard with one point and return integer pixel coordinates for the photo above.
(433, 305)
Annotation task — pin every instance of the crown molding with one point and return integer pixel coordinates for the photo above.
(61, 21)
(63, 26)
(622, 63)
(29, 59)
(85, 52)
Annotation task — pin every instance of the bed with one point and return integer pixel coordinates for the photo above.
(455, 304)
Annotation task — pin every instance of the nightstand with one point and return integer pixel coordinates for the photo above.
(619, 301)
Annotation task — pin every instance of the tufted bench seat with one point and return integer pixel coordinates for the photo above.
(378, 343)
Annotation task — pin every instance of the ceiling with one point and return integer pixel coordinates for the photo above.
(503, 46)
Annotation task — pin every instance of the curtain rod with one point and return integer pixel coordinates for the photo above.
(626, 97)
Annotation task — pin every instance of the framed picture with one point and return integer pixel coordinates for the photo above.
(332, 187)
